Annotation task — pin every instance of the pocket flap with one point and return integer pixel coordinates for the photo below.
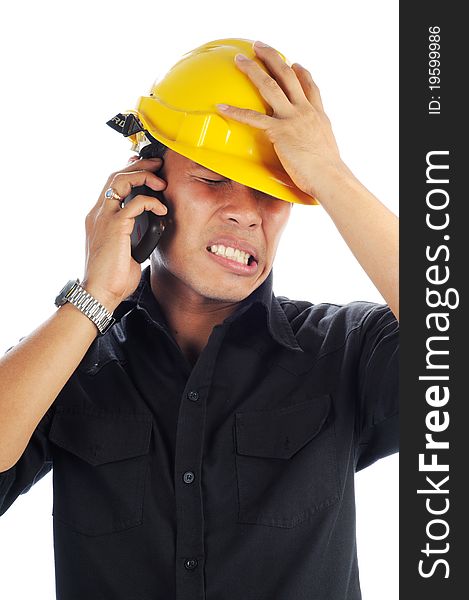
(281, 432)
(99, 438)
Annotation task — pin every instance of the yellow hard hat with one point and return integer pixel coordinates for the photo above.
(180, 113)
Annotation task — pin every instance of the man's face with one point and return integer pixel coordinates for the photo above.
(206, 212)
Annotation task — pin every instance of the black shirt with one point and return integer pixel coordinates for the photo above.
(229, 480)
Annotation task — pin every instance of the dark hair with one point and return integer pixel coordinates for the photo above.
(154, 150)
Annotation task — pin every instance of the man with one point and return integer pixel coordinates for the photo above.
(205, 445)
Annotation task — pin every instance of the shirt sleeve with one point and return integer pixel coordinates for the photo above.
(378, 387)
(33, 464)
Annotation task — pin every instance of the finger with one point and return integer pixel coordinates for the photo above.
(123, 182)
(151, 164)
(283, 73)
(246, 115)
(140, 203)
(310, 89)
(268, 87)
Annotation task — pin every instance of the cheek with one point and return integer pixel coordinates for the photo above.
(190, 201)
(275, 222)
(186, 223)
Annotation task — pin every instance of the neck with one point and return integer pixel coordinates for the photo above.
(190, 316)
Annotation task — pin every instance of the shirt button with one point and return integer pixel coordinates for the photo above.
(193, 395)
(190, 563)
(188, 477)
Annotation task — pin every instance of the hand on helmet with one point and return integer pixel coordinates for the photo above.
(298, 127)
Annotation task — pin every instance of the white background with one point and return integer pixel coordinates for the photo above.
(66, 70)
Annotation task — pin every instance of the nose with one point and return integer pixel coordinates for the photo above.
(244, 207)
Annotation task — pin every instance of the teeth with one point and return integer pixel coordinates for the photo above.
(231, 253)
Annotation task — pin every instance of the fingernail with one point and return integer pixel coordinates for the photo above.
(222, 106)
(241, 57)
(260, 44)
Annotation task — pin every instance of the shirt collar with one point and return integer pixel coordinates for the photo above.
(277, 321)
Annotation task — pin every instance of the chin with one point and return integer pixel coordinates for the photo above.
(222, 293)
(214, 285)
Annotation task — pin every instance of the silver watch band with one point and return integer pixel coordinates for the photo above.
(89, 306)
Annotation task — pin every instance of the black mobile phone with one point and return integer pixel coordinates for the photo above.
(148, 227)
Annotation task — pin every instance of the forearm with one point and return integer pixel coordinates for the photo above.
(33, 373)
(369, 228)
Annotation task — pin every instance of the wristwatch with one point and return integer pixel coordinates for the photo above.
(73, 292)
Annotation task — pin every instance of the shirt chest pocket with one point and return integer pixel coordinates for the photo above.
(286, 463)
(100, 462)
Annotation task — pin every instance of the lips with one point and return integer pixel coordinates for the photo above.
(234, 266)
(235, 243)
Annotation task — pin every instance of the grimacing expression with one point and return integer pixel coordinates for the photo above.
(208, 212)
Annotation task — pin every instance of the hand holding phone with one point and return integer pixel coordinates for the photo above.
(111, 273)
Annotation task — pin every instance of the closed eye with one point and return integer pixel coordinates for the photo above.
(215, 181)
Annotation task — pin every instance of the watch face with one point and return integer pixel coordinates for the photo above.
(62, 297)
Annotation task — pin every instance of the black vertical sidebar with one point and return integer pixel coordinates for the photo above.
(434, 236)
